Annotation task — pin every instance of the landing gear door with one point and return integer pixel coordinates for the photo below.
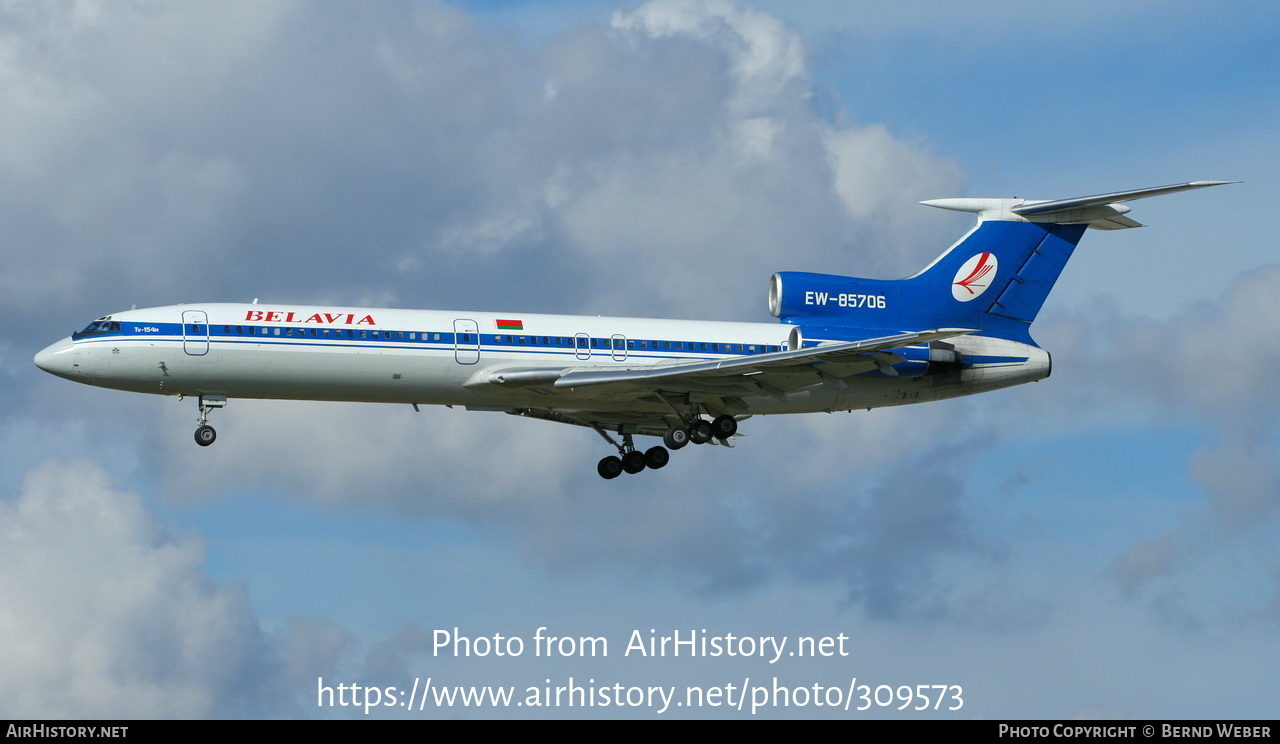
(466, 341)
(195, 332)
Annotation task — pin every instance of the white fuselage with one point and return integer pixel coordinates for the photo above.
(439, 357)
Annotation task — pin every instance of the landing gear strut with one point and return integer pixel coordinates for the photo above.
(205, 434)
(694, 429)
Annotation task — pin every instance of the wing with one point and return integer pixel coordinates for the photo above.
(778, 375)
(829, 361)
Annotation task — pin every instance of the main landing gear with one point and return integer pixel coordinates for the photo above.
(631, 460)
(205, 434)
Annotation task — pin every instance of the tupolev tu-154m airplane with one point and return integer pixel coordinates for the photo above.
(959, 327)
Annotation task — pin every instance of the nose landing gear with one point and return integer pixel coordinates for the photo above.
(205, 434)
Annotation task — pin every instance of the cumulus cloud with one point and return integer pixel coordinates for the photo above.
(107, 613)
(1209, 366)
(230, 151)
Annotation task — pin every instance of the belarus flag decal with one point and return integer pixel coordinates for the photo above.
(510, 325)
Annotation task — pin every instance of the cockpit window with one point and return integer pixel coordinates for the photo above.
(98, 326)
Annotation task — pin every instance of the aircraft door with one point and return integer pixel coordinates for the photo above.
(466, 341)
(619, 347)
(582, 346)
(195, 332)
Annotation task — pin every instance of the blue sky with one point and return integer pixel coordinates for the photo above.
(1101, 544)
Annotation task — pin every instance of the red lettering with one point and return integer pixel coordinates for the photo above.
(276, 316)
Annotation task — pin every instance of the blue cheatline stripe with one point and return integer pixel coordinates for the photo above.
(431, 346)
(448, 350)
(273, 341)
(303, 336)
(561, 346)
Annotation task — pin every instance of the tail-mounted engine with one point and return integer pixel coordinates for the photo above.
(798, 294)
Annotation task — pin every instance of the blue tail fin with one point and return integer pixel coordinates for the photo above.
(995, 279)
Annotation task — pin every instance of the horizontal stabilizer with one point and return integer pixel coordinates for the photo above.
(1081, 202)
(1100, 211)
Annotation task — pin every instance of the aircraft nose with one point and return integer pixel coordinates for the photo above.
(57, 359)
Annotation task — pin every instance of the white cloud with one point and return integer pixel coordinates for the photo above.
(1209, 367)
(767, 57)
(418, 153)
(107, 614)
